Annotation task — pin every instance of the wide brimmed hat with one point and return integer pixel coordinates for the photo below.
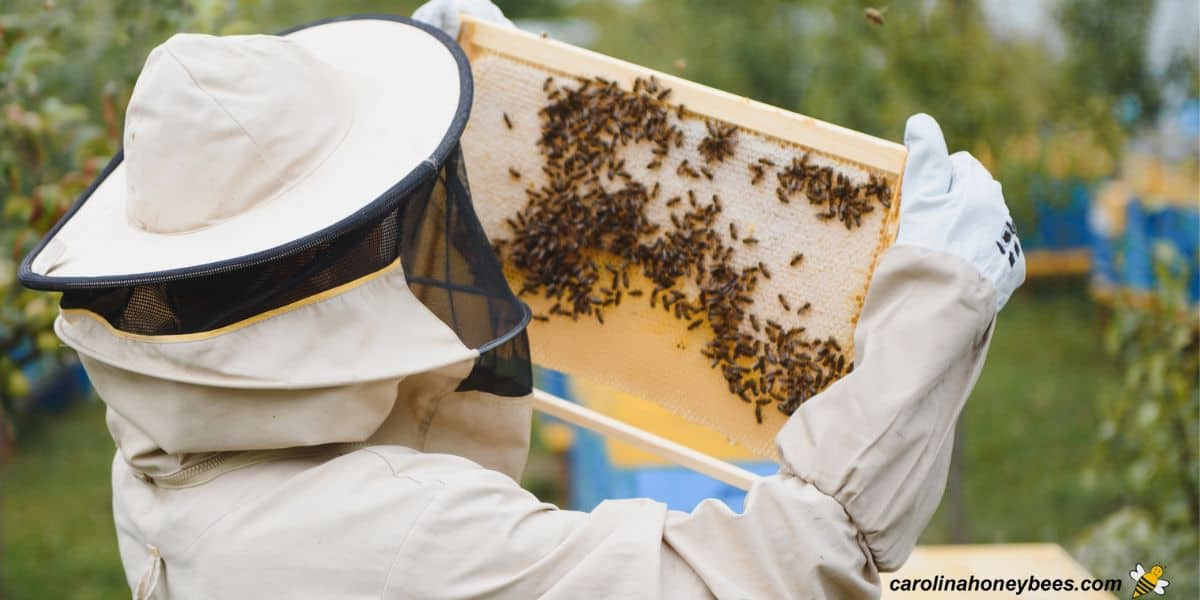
(242, 147)
(310, 177)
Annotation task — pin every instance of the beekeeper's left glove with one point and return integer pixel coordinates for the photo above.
(443, 14)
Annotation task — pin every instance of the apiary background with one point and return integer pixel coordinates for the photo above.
(645, 351)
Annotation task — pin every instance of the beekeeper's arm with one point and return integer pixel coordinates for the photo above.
(877, 443)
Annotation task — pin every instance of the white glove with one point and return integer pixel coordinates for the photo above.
(951, 204)
(443, 14)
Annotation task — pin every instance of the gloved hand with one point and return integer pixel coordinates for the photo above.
(951, 204)
(443, 14)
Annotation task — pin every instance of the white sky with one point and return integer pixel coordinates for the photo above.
(1174, 26)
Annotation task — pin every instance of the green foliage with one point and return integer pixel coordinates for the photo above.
(532, 9)
(1150, 434)
(47, 147)
(1130, 536)
(1113, 34)
(1157, 343)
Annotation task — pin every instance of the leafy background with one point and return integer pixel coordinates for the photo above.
(1082, 430)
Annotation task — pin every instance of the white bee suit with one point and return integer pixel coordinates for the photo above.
(405, 489)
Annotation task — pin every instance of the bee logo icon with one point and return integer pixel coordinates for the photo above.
(1148, 581)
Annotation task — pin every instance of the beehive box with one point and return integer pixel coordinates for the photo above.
(610, 190)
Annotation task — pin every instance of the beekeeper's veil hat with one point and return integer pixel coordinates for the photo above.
(289, 212)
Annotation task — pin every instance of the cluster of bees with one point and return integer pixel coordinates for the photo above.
(586, 228)
(840, 197)
(718, 145)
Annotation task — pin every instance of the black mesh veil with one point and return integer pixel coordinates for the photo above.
(432, 230)
(453, 270)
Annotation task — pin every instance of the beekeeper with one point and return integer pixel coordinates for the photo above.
(318, 388)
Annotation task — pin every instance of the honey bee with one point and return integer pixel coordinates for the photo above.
(1148, 581)
(756, 174)
(874, 15)
(685, 169)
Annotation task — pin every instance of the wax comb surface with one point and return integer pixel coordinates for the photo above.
(684, 245)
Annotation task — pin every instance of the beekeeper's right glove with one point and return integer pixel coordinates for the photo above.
(951, 204)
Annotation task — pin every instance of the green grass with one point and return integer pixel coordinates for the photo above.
(1029, 430)
(58, 534)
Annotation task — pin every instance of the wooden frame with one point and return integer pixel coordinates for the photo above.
(873, 155)
(614, 429)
